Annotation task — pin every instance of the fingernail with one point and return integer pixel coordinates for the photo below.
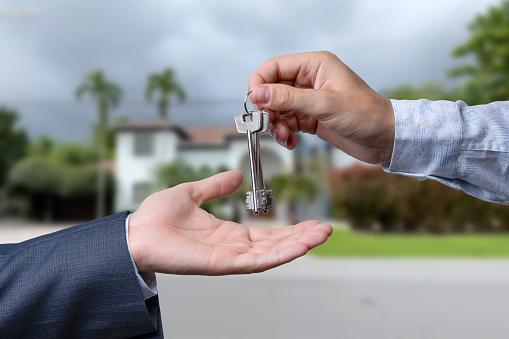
(262, 94)
(285, 143)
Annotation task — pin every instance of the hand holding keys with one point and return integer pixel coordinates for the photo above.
(251, 123)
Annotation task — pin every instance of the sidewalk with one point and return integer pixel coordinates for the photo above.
(12, 231)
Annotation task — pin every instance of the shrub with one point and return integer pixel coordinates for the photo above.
(374, 200)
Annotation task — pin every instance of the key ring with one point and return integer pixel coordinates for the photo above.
(245, 102)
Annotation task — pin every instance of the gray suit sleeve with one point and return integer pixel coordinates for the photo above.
(75, 283)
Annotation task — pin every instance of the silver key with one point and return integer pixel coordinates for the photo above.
(248, 122)
(252, 123)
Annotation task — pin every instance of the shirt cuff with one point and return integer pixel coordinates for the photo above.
(146, 280)
(427, 139)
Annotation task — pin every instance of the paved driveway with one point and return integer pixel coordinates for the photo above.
(317, 298)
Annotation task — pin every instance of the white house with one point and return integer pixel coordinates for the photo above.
(142, 147)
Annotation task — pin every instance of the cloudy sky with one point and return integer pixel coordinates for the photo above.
(47, 46)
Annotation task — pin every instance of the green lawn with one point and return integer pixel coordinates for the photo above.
(345, 243)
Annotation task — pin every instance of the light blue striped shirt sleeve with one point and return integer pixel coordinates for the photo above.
(464, 147)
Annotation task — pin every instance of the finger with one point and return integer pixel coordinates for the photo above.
(298, 122)
(298, 66)
(258, 262)
(312, 237)
(214, 187)
(266, 254)
(297, 232)
(274, 253)
(257, 233)
(279, 131)
(279, 97)
(283, 135)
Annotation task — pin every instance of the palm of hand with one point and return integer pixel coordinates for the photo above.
(174, 235)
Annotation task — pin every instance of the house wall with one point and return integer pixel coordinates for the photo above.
(212, 158)
(275, 159)
(270, 151)
(132, 169)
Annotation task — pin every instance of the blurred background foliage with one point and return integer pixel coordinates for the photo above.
(178, 172)
(485, 77)
(38, 177)
(293, 188)
(51, 175)
(166, 85)
(372, 200)
(13, 142)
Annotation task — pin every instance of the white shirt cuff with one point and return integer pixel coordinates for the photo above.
(427, 139)
(147, 280)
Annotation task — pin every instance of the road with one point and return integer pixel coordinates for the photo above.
(334, 298)
(354, 299)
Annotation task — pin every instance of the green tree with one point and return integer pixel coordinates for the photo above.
(110, 136)
(175, 173)
(487, 79)
(293, 188)
(37, 177)
(106, 95)
(166, 84)
(13, 142)
(178, 172)
(430, 90)
(53, 172)
(74, 154)
(42, 146)
(371, 200)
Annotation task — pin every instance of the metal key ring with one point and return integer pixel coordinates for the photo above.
(245, 102)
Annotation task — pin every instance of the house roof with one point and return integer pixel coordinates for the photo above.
(151, 125)
(193, 137)
(210, 134)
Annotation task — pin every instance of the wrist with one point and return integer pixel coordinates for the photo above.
(135, 242)
(389, 124)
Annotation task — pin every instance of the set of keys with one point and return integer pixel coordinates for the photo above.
(253, 122)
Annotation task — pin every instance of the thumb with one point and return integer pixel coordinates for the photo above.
(214, 187)
(279, 97)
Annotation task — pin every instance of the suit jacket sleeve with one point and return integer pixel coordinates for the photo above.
(75, 283)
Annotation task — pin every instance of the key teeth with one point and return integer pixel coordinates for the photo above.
(249, 201)
(265, 201)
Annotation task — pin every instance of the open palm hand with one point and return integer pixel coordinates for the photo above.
(170, 233)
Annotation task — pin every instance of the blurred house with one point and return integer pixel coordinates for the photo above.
(142, 147)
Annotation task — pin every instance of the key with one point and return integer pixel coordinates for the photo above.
(252, 123)
(248, 122)
(264, 198)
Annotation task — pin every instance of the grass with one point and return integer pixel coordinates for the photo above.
(345, 243)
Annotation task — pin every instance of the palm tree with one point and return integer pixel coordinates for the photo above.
(106, 95)
(167, 85)
(293, 188)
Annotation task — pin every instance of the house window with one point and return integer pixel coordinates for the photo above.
(143, 143)
(141, 190)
